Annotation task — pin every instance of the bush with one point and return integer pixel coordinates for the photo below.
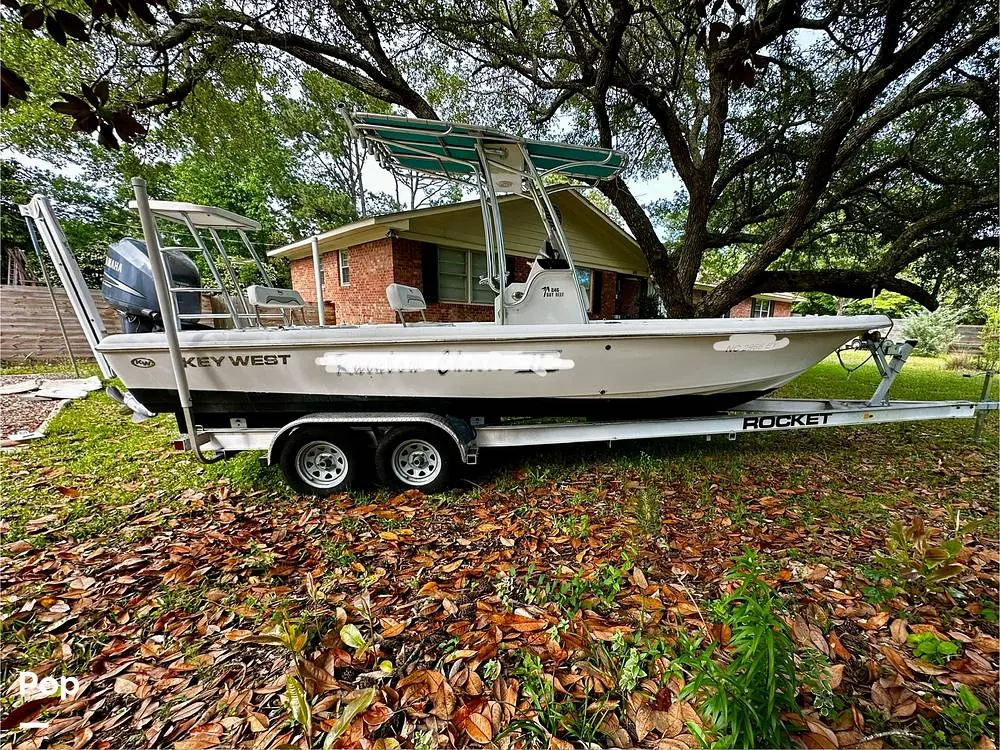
(745, 698)
(934, 331)
(962, 361)
(990, 336)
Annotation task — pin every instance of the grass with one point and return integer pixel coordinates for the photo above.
(95, 468)
(585, 519)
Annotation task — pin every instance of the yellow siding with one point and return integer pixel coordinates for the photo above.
(593, 243)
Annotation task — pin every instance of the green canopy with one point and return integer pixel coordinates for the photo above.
(449, 148)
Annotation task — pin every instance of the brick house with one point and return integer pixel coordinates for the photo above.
(441, 251)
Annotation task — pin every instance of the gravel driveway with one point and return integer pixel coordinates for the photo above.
(19, 414)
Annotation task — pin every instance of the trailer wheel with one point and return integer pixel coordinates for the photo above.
(316, 462)
(416, 458)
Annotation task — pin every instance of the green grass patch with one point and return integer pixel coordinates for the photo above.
(95, 468)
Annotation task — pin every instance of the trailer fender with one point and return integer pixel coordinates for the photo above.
(458, 430)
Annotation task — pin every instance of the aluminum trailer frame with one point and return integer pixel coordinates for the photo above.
(761, 415)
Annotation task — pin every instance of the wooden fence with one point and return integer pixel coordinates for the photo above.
(968, 339)
(29, 328)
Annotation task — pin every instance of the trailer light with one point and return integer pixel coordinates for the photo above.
(179, 444)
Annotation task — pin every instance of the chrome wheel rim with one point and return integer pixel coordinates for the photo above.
(416, 462)
(321, 464)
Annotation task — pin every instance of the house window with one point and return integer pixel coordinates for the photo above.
(343, 260)
(761, 308)
(459, 272)
(586, 278)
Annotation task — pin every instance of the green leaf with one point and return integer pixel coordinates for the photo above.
(298, 704)
(352, 709)
(350, 635)
(945, 572)
(971, 703)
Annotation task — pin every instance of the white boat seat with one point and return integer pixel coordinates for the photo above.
(269, 296)
(404, 299)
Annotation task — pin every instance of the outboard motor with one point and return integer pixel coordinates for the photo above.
(128, 286)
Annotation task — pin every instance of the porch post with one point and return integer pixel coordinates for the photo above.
(318, 273)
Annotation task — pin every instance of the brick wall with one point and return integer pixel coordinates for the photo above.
(779, 309)
(627, 305)
(363, 300)
(375, 265)
(742, 310)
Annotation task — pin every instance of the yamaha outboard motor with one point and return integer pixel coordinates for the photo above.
(128, 286)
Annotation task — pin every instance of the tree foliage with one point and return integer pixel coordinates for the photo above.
(839, 146)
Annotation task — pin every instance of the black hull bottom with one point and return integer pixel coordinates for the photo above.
(216, 408)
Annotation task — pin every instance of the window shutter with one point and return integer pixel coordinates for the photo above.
(510, 262)
(597, 280)
(429, 269)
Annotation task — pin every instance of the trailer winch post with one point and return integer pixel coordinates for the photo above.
(889, 360)
(167, 313)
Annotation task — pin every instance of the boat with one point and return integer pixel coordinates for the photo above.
(601, 369)
(541, 356)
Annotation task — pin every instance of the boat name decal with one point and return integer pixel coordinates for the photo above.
(751, 342)
(385, 362)
(552, 291)
(770, 422)
(238, 360)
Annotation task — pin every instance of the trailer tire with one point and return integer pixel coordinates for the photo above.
(316, 461)
(420, 458)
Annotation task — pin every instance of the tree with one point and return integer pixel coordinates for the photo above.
(787, 122)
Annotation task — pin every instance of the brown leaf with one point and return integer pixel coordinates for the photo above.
(875, 621)
(837, 647)
(125, 687)
(316, 679)
(835, 674)
(258, 722)
(391, 628)
(479, 728)
(898, 629)
(897, 660)
(987, 644)
(26, 712)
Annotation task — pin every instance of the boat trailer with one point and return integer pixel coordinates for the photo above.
(460, 441)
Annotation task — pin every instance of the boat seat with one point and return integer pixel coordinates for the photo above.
(269, 296)
(404, 299)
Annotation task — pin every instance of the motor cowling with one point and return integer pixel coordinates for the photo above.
(127, 285)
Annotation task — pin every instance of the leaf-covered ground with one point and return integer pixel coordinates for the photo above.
(553, 599)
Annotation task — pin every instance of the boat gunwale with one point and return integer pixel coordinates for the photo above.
(382, 334)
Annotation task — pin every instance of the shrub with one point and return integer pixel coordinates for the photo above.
(990, 336)
(962, 361)
(745, 698)
(934, 331)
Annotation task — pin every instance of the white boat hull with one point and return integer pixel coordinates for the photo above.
(610, 368)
